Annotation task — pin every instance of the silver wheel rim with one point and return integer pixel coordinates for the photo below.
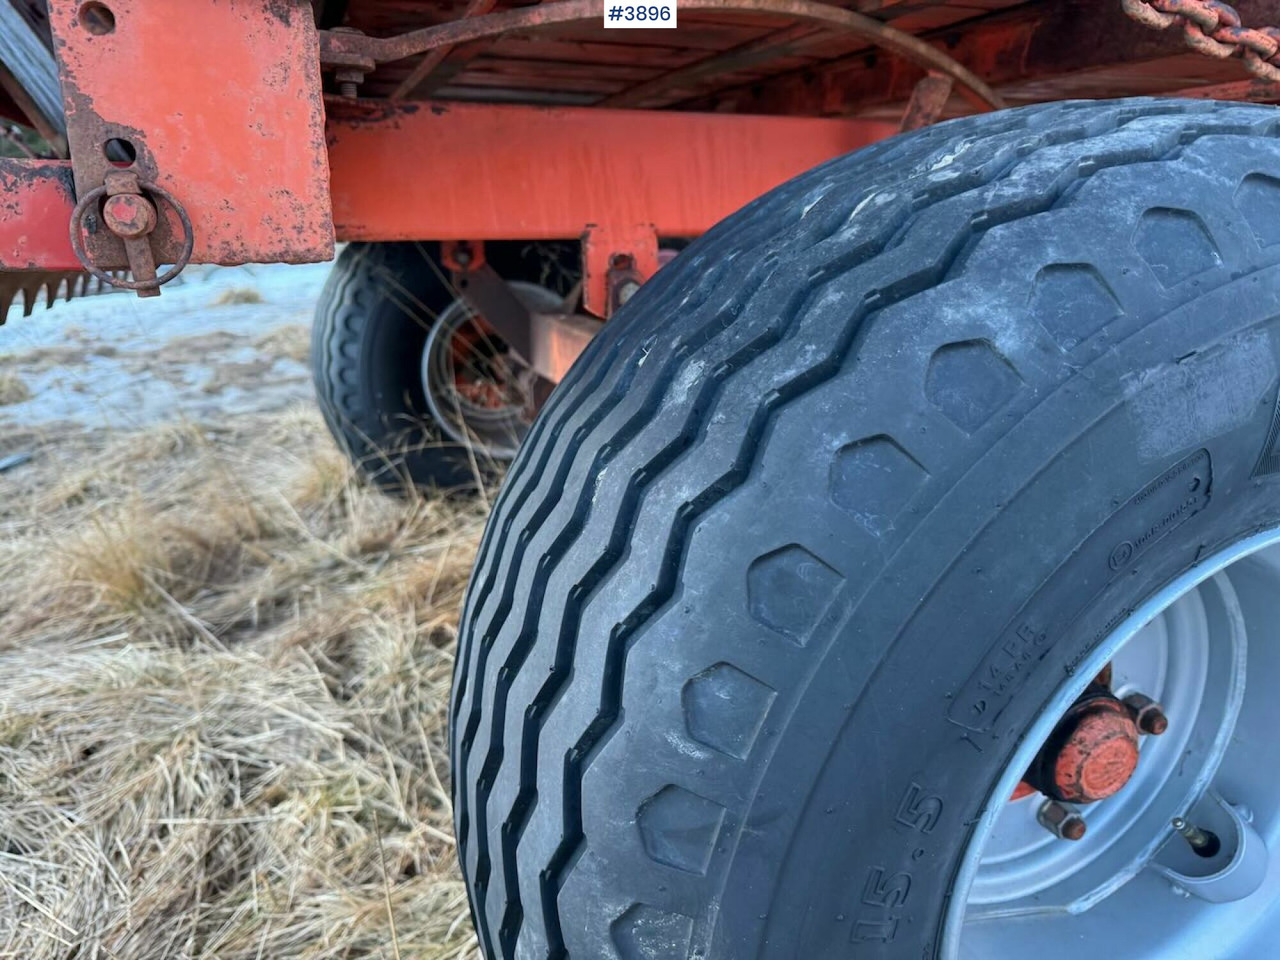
(1208, 647)
(494, 432)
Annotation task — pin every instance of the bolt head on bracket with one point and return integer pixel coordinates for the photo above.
(129, 215)
(616, 261)
(1147, 714)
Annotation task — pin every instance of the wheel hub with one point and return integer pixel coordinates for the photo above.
(475, 391)
(1182, 828)
(1092, 754)
(1093, 751)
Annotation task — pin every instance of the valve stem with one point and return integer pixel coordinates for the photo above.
(1203, 842)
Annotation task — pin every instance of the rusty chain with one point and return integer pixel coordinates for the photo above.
(1214, 29)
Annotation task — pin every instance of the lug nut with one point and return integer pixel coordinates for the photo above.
(1147, 714)
(1062, 820)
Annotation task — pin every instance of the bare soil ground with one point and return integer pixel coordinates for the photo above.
(224, 662)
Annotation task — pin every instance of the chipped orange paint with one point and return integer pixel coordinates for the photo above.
(35, 208)
(221, 100)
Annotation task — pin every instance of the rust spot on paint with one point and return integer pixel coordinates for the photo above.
(250, 167)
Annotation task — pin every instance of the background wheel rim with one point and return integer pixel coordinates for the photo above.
(493, 432)
(1118, 889)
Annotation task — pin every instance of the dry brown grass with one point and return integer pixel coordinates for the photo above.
(224, 670)
(234, 296)
(291, 340)
(13, 389)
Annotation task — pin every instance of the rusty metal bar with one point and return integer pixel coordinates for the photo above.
(434, 57)
(491, 297)
(927, 102)
(338, 47)
(783, 43)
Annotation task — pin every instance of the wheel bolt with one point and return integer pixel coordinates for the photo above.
(1062, 820)
(1147, 714)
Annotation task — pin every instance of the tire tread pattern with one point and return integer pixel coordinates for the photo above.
(736, 296)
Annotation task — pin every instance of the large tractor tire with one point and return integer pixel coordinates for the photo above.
(886, 503)
(415, 388)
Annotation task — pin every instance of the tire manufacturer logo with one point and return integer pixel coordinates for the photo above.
(1177, 495)
(1157, 510)
(1121, 555)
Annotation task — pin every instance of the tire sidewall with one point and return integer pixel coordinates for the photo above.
(871, 831)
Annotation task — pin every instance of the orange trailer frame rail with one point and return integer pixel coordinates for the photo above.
(217, 109)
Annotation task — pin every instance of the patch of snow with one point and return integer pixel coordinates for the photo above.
(113, 360)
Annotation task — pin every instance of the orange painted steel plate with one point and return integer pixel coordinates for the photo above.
(557, 342)
(221, 99)
(480, 172)
(35, 205)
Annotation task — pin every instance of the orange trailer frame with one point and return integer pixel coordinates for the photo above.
(221, 106)
(218, 115)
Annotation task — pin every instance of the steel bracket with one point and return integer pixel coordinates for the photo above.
(615, 262)
(490, 297)
(217, 103)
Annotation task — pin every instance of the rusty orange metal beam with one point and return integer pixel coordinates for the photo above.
(473, 172)
(450, 171)
(220, 100)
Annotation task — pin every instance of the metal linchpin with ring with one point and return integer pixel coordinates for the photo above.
(132, 221)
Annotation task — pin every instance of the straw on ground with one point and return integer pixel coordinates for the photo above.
(224, 671)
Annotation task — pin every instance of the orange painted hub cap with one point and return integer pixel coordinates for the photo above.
(1094, 753)
(1090, 756)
